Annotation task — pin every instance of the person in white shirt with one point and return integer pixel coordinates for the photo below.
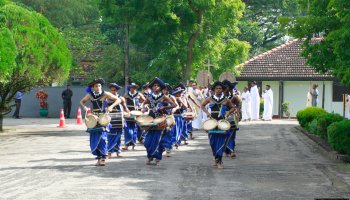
(268, 103)
(347, 111)
(246, 107)
(255, 101)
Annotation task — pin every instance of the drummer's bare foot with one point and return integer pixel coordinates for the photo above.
(148, 162)
(109, 155)
(168, 154)
(133, 147)
(103, 163)
(118, 155)
(176, 146)
(233, 155)
(158, 162)
(220, 166)
(98, 163)
(125, 148)
(215, 164)
(191, 136)
(186, 143)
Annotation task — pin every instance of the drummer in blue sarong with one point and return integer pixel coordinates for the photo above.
(98, 134)
(158, 103)
(220, 108)
(133, 98)
(231, 134)
(117, 121)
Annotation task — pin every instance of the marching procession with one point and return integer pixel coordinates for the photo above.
(161, 117)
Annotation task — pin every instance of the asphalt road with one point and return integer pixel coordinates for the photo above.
(275, 161)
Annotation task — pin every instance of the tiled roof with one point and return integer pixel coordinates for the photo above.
(281, 63)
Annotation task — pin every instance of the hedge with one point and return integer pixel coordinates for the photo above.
(308, 114)
(324, 120)
(339, 136)
(312, 126)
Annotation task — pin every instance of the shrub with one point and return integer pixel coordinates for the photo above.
(306, 115)
(324, 120)
(312, 127)
(339, 136)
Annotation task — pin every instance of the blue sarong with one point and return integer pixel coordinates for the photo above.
(230, 141)
(140, 134)
(179, 124)
(114, 140)
(130, 133)
(153, 145)
(184, 135)
(166, 140)
(217, 143)
(98, 141)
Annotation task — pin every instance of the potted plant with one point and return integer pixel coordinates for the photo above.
(41, 95)
(285, 109)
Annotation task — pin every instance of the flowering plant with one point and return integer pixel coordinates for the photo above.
(41, 95)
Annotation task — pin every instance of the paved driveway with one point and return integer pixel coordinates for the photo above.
(275, 161)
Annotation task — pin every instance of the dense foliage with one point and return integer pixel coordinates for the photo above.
(308, 114)
(339, 136)
(32, 52)
(329, 19)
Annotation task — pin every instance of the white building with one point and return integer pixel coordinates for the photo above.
(290, 78)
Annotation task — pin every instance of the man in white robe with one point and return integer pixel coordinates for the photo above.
(347, 108)
(246, 107)
(268, 103)
(255, 101)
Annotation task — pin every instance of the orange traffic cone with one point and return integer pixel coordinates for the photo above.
(79, 118)
(62, 120)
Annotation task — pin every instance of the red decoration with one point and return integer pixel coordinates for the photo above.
(42, 96)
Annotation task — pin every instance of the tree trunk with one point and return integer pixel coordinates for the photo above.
(192, 40)
(126, 56)
(1, 122)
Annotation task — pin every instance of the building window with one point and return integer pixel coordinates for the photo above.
(338, 91)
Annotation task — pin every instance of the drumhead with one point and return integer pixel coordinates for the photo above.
(144, 119)
(159, 120)
(91, 121)
(224, 125)
(210, 124)
(104, 119)
(136, 113)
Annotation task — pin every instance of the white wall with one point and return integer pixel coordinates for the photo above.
(295, 93)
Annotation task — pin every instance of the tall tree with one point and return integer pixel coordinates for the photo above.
(260, 26)
(184, 34)
(32, 52)
(329, 19)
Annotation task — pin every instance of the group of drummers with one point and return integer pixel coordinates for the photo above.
(160, 117)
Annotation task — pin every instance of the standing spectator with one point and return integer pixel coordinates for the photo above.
(18, 101)
(314, 95)
(255, 101)
(246, 107)
(268, 103)
(67, 101)
(347, 111)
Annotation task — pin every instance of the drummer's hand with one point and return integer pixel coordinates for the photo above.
(109, 109)
(127, 114)
(162, 108)
(85, 108)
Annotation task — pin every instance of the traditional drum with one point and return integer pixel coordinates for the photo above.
(170, 120)
(117, 120)
(233, 121)
(188, 116)
(104, 119)
(135, 113)
(160, 122)
(144, 119)
(224, 125)
(210, 124)
(91, 120)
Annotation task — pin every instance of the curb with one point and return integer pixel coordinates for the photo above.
(324, 146)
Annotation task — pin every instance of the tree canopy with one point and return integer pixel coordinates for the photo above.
(32, 52)
(329, 19)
